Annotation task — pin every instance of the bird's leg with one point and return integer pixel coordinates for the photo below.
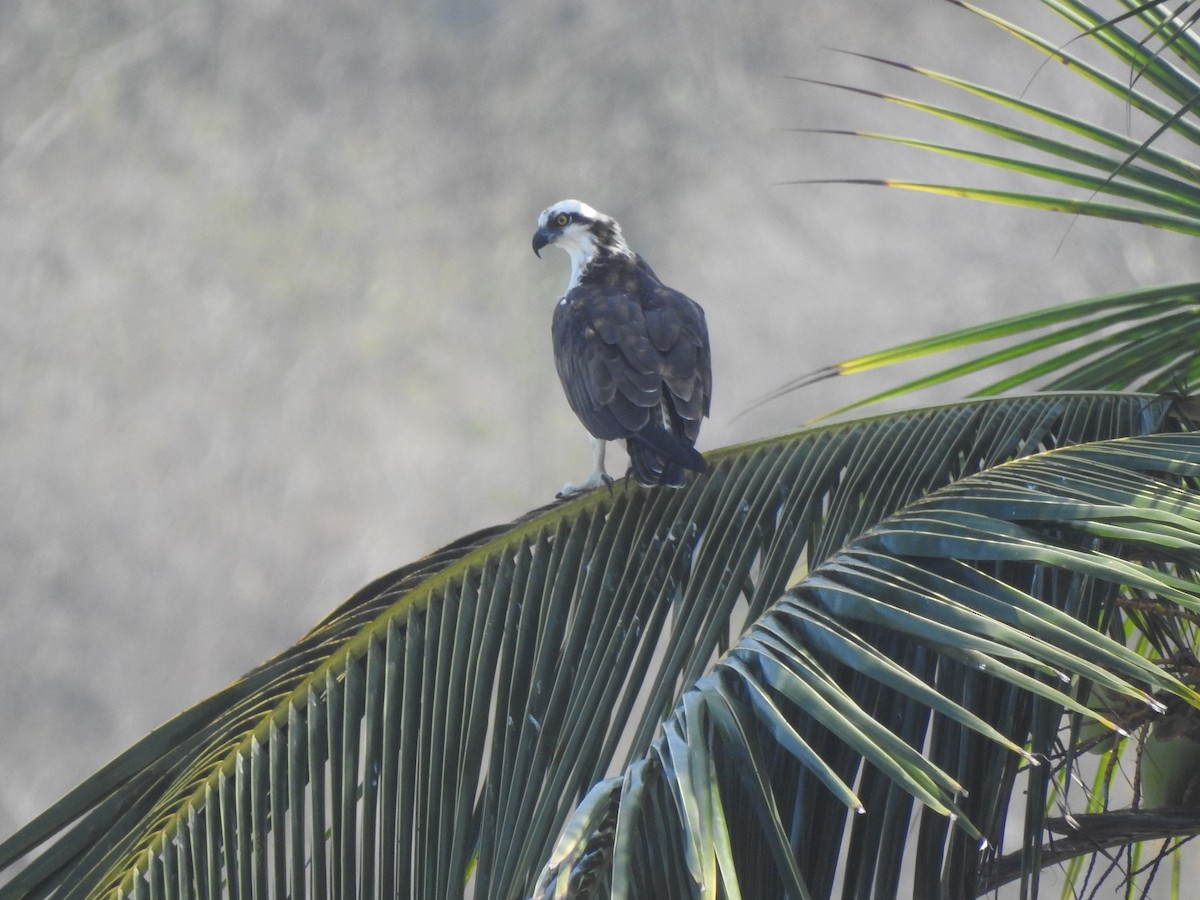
(597, 478)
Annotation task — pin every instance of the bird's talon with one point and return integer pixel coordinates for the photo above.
(593, 481)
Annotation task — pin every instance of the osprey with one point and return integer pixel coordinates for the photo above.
(632, 353)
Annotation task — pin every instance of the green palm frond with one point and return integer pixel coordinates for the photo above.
(441, 727)
(1144, 339)
(1163, 188)
(946, 573)
(1135, 340)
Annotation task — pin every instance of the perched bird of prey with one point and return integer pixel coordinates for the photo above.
(632, 353)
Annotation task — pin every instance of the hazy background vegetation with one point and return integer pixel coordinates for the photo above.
(271, 326)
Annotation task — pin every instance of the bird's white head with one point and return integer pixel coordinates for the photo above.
(582, 232)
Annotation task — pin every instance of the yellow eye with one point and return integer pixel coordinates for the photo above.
(561, 219)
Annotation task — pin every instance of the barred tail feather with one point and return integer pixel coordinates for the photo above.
(657, 457)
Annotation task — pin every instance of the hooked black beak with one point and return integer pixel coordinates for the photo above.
(540, 240)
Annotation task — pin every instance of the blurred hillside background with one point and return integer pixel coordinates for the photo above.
(271, 326)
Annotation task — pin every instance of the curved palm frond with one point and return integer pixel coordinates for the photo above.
(442, 725)
(948, 588)
(1161, 186)
(1136, 340)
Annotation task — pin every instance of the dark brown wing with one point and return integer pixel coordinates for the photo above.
(676, 328)
(628, 364)
(607, 365)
